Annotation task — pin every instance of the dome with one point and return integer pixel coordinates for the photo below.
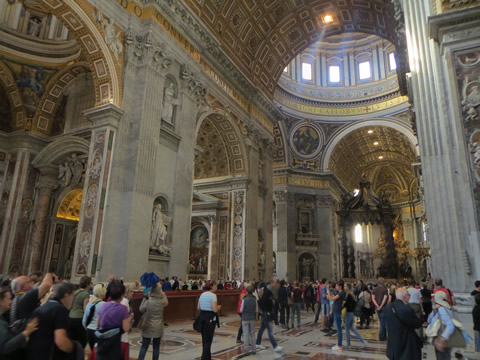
(344, 69)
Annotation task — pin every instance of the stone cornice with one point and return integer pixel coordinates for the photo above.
(438, 24)
(21, 140)
(183, 18)
(108, 114)
(41, 50)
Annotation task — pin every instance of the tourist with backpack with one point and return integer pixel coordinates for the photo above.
(90, 316)
(80, 301)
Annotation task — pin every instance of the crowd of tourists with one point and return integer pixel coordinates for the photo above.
(42, 318)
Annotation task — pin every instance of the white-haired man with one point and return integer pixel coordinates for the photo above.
(402, 342)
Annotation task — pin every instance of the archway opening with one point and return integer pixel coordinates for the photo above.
(381, 161)
(64, 233)
(219, 167)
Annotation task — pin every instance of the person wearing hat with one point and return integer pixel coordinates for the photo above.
(402, 341)
(152, 306)
(442, 310)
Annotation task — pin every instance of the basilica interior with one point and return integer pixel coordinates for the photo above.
(235, 140)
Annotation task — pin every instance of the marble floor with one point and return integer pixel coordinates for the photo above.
(306, 343)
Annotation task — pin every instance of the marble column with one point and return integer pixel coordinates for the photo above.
(449, 194)
(286, 229)
(212, 248)
(16, 178)
(344, 242)
(46, 184)
(324, 227)
(97, 176)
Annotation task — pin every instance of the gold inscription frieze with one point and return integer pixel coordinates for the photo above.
(343, 111)
(151, 12)
(301, 181)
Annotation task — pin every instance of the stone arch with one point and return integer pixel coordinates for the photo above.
(334, 140)
(59, 148)
(7, 80)
(47, 107)
(231, 137)
(105, 70)
(306, 252)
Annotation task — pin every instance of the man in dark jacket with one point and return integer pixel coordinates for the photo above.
(402, 342)
(265, 305)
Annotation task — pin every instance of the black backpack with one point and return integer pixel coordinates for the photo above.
(91, 313)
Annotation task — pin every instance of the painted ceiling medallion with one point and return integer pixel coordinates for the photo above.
(306, 140)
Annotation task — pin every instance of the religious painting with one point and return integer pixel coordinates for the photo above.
(306, 141)
(31, 80)
(198, 258)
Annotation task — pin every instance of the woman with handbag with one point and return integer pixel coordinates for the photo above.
(441, 318)
(151, 322)
(207, 304)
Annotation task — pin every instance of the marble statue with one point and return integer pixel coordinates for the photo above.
(306, 267)
(34, 26)
(112, 39)
(65, 174)
(169, 102)
(260, 249)
(77, 166)
(72, 171)
(67, 272)
(475, 150)
(158, 240)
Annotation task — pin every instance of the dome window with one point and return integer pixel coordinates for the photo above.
(364, 70)
(392, 61)
(306, 71)
(334, 74)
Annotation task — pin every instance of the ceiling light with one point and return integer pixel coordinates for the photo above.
(327, 19)
(380, 157)
(370, 131)
(375, 143)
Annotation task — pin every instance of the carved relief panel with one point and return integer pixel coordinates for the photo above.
(467, 66)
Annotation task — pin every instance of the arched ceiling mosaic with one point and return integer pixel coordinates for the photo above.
(263, 36)
(384, 156)
(70, 206)
(218, 151)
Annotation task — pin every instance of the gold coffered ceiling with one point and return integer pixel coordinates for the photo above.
(263, 36)
(356, 155)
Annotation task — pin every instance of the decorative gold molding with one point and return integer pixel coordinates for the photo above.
(70, 206)
(449, 5)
